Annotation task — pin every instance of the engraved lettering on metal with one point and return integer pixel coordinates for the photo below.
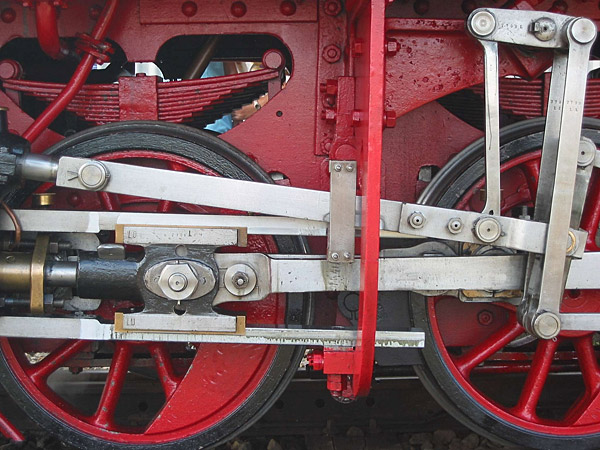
(147, 235)
(175, 323)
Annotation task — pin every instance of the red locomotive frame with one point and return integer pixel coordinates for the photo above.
(365, 75)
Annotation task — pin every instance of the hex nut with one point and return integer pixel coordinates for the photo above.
(174, 275)
(416, 220)
(455, 225)
(240, 272)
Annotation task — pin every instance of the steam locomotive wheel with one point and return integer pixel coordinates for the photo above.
(478, 362)
(198, 397)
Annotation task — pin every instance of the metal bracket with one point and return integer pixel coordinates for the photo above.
(546, 275)
(342, 207)
(145, 234)
(174, 323)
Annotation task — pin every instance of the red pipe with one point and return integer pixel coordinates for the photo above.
(47, 29)
(77, 80)
(10, 431)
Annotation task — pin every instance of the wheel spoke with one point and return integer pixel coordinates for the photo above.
(164, 368)
(42, 370)
(115, 379)
(109, 202)
(536, 379)
(591, 215)
(166, 206)
(476, 355)
(531, 170)
(587, 408)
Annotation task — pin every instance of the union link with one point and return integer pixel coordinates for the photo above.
(561, 190)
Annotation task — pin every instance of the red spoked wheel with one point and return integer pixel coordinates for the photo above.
(478, 361)
(147, 395)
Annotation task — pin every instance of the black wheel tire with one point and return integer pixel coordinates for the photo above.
(229, 162)
(449, 185)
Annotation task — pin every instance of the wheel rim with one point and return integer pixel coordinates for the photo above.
(197, 396)
(495, 327)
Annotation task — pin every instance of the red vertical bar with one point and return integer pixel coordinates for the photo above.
(370, 71)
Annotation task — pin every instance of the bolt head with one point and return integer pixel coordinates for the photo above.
(587, 152)
(483, 23)
(544, 29)
(178, 282)
(416, 220)
(93, 175)
(335, 256)
(488, 230)
(455, 225)
(583, 30)
(337, 167)
(546, 325)
(240, 280)
(347, 255)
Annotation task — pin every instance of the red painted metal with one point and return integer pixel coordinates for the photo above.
(47, 28)
(370, 85)
(72, 88)
(144, 98)
(356, 69)
(9, 431)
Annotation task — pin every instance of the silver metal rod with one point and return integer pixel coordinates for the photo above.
(291, 202)
(492, 128)
(60, 273)
(91, 329)
(37, 167)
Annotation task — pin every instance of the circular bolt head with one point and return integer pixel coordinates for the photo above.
(93, 175)
(337, 167)
(416, 220)
(483, 23)
(335, 256)
(583, 30)
(178, 282)
(488, 229)
(455, 225)
(349, 168)
(544, 29)
(347, 255)
(587, 152)
(546, 325)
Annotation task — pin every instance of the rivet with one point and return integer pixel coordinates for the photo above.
(287, 8)
(189, 8)
(333, 7)
(238, 9)
(8, 15)
(94, 12)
